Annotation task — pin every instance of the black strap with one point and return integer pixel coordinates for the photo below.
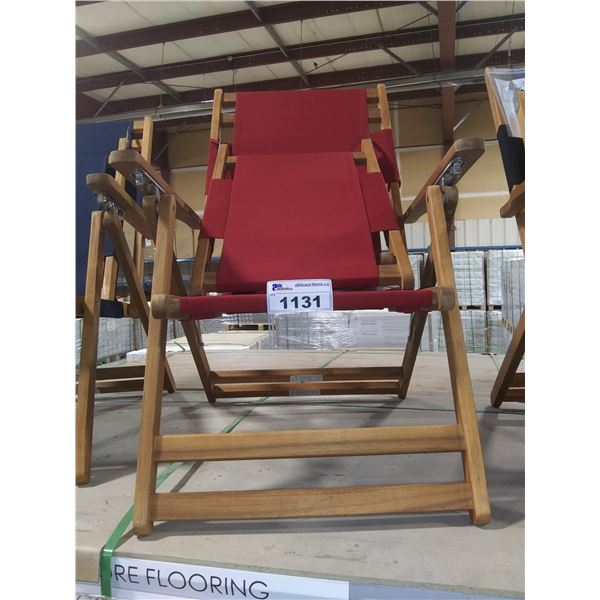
(512, 150)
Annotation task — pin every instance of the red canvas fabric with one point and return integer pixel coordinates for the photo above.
(217, 208)
(297, 216)
(383, 143)
(377, 201)
(213, 147)
(300, 121)
(207, 307)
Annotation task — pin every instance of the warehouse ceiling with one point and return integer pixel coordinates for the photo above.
(167, 57)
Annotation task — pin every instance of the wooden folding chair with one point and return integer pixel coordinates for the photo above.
(506, 93)
(300, 195)
(117, 205)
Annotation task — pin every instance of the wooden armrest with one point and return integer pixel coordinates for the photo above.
(515, 203)
(130, 162)
(103, 183)
(468, 151)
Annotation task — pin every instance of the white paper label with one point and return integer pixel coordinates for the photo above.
(299, 295)
(154, 579)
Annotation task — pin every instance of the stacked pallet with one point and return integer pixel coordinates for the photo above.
(474, 329)
(513, 282)
(470, 278)
(496, 334)
(118, 337)
(494, 261)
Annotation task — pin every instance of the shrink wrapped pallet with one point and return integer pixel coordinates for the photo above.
(513, 282)
(469, 275)
(497, 338)
(78, 327)
(318, 330)
(473, 324)
(416, 262)
(494, 259)
(341, 329)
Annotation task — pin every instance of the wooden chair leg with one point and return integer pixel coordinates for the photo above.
(418, 320)
(134, 283)
(462, 390)
(194, 339)
(89, 351)
(155, 364)
(510, 364)
(417, 325)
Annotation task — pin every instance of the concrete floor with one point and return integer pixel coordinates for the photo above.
(438, 551)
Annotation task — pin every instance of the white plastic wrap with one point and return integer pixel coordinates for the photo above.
(497, 338)
(342, 329)
(118, 337)
(494, 259)
(506, 83)
(78, 327)
(416, 262)
(469, 275)
(473, 324)
(513, 282)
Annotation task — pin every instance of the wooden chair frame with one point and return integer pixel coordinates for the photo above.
(117, 206)
(470, 494)
(510, 384)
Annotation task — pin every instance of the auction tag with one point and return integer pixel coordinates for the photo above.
(299, 295)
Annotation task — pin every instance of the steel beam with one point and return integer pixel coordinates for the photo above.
(359, 43)
(447, 27)
(175, 116)
(278, 41)
(394, 73)
(429, 8)
(408, 66)
(126, 63)
(236, 21)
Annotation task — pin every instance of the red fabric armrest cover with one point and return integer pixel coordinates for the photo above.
(216, 209)
(383, 143)
(213, 148)
(377, 201)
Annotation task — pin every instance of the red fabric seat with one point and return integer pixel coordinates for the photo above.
(298, 216)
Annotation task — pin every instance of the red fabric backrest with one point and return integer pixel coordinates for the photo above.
(296, 216)
(300, 121)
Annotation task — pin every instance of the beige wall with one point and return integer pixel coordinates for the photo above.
(417, 126)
